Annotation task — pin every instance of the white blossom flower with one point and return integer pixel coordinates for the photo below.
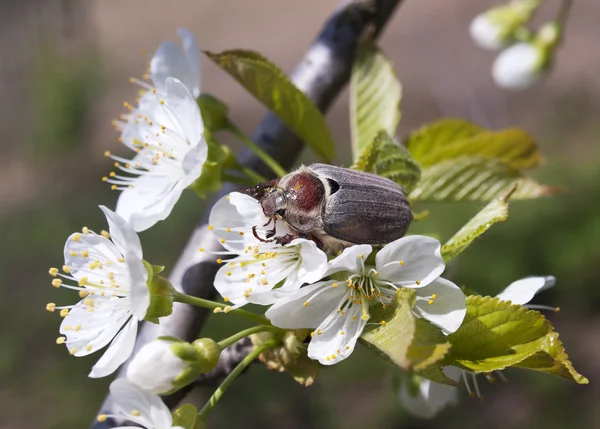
(258, 267)
(430, 398)
(167, 132)
(170, 60)
(108, 272)
(338, 310)
(487, 33)
(156, 366)
(519, 66)
(138, 406)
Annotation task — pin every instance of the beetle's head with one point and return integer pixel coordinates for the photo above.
(274, 203)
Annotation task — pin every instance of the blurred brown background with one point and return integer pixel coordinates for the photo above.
(64, 69)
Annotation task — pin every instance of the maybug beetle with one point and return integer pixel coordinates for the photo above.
(336, 207)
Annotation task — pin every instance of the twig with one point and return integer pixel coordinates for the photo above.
(321, 74)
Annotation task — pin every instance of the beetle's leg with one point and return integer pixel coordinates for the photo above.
(273, 231)
(268, 222)
(286, 239)
(314, 238)
(258, 192)
(260, 238)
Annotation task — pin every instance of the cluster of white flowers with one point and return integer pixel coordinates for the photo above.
(333, 297)
(525, 57)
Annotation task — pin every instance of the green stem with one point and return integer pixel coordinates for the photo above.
(253, 175)
(264, 156)
(205, 303)
(247, 332)
(563, 13)
(203, 413)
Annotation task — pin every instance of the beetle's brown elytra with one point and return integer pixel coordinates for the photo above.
(335, 207)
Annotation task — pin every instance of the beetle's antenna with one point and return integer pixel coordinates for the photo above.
(260, 238)
(268, 222)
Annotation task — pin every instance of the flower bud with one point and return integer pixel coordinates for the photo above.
(519, 66)
(155, 367)
(168, 364)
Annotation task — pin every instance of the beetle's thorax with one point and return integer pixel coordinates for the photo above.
(305, 196)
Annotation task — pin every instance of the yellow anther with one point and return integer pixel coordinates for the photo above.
(226, 299)
(430, 301)
(264, 281)
(85, 230)
(247, 293)
(85, 253)
(334, 285)
(67, 328)
(104, 179)
(227, 309)
(102, 418)
(51, 307)
(434, 296)
(88, 302)
(53, 272)
(418, 282)
(262, 272)
(217, 310)
(113, 188)
(73, 350)
(135, 413)
(201, 250)
(227, 229)
(401, 263)
(228, 273)
(232, 264)
(342, 332)
(107, 153)
(105, 234)
(319, 332)
(82, 281)
(327, 358)
(219, 261)
(222, 240)
(362, 256)
(312, 334)
(61, 340)
(251, 275)
(365, 317)
(347, 347)
(88, 348)
(76, 237)
(333, 356)
(162, 101)
(64, 312)
(56, 282)
(306, 304)
(557, 310)
(83, 293)
(77, 328)
(112, 174)
(121, 259)
(263, 264)
(241, 233)
(66, 269)
(383, 323)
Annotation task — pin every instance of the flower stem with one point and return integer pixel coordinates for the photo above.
(214, 399)
(563, 13)
(264, 156)
(205, 303)
(247, 332)
(236, 179)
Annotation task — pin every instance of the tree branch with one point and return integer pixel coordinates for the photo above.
(321, 74)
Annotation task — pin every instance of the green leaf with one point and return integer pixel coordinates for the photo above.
(496, 334)
(185, 416)
(214, 113)
(455, 138)
(475, 179)
(375, 94)
(496, 211)
(386, 157)
(553, 360)
(272, 87)
(394, 331)
(428, 347)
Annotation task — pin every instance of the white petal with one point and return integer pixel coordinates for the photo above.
(352, 259)
(152, 409)
(517, 67)
(155, 366)
(410, 259)
(334, 340)
(118, 352)
(225, 215)
(97, 248)
(194, 59)
(193, 161)
(290, 311)
(522, 291)
(122, 234)
(486, 33)
(150, 201)
(140, 295)
(313, 263)
(184, 109)
(448, 308)
(248, 207)
(170, 61)
(430, 399)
